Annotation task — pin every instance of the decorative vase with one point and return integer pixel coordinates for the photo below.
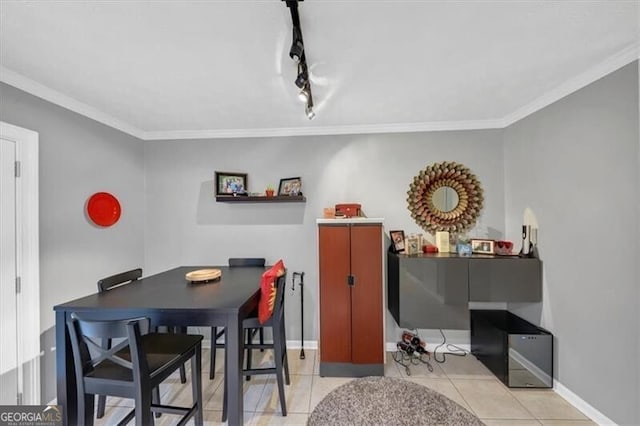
(503, 248)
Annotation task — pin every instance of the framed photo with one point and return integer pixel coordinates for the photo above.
(231, 183)
(290, 186)
(397, 241)
(413, 245)
(482, 246)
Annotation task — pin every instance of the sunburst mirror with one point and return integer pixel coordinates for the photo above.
(445, 197)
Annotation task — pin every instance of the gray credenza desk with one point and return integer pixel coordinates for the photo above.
(434, 290)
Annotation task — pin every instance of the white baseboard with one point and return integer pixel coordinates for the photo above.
(308, 344)
(581, 404)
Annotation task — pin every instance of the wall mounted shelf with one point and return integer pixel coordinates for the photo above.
(261, 199)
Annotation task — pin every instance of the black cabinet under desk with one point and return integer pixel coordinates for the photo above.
(434, 290)
(519, 353)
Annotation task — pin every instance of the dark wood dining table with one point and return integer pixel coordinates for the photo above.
(168, 299)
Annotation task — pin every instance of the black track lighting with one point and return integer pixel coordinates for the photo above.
(297, 53)
(303, 75)
(297, 47)
(304, 94)
(309, 111)
(308, 108)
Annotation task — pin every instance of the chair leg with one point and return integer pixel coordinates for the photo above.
(261, 334)
(143, 409)
(249, 341)
(155, 397)
(285, 356)
(85, 408)
(183, 374)
(196, 385)
(224, 389)
(183, 371)
(212, 362)
(278, 355)
(102, 400)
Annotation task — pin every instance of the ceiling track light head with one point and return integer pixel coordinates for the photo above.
(297, 46)
(308, 108)
(303, 75)
(304, 94)
(296, 52)
(309, 111)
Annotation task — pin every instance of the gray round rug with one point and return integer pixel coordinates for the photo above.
(388, 401)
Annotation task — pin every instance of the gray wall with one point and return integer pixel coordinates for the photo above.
(185, 225)
(78, 157)
(576, 165)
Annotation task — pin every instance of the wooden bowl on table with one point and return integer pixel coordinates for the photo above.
(203, 275)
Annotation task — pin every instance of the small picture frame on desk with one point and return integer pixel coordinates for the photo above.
(413, 245)
(482, 246)
(397, 241)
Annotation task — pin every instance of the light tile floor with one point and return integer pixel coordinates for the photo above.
(463, 379)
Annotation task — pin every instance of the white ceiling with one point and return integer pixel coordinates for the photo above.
(185, 69)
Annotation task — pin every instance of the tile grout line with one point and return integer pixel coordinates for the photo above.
(461, 394)
(313, 379)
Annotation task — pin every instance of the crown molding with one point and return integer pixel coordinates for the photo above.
(609, 65)
(23, 83)
(614, 62)
(325, 130)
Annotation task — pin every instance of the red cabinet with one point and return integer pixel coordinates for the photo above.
(351, 299)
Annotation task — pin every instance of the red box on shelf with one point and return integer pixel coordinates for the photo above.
(348, 210)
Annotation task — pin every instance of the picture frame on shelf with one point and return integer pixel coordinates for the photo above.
(482, 246)
(397, 241)
(231, 183)
(290, 186)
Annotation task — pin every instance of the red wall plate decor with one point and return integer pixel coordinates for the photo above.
(103, 209)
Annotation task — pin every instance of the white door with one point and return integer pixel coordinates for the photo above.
(8, 296)
(19, 257)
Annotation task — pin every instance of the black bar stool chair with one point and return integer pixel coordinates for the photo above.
(133, 367)
(279, 346)
(106, 284)
(217, 333)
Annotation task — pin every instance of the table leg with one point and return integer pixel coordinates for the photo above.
(234, 347)
(65, 377)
